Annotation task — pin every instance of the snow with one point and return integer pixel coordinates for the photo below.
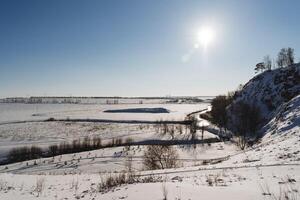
(267, 170)
(24, 112)
(244, 183)
(245, 175)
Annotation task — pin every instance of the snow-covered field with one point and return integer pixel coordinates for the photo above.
(268, 170)
(32, 131)
(21, 112)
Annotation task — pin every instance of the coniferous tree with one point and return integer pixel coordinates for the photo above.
(259, 67)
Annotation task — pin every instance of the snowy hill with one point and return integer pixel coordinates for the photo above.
(280, 144)
(270, 91)
(286, 120)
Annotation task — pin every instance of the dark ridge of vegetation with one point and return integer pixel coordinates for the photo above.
(184, 122)
(24, 153)
(139, 110)
(20, 154)
(179, 142)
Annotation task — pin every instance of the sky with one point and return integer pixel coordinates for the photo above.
(138, 47)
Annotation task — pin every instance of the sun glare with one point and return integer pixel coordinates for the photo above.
(205, 36)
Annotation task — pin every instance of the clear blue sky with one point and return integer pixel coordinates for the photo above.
(135, 48)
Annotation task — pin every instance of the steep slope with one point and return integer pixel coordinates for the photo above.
(281, 142)
(268, 91)
(286, 119)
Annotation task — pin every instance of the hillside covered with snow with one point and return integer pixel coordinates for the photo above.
(273, 92)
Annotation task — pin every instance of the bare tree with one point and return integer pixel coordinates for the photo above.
(53, 149)
(246, 123)
(128, 163)
(285, 57)
(290, 56)
(218, 111)
(267, 62)
(281, 58)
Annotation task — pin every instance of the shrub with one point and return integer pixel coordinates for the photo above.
(53, 150)
(129, 141)
(51, 119)
(218, 113)
(114, 180)
(160, 157)
(39, 186)
(164, 191)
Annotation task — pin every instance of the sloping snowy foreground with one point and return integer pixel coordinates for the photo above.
(244, 183)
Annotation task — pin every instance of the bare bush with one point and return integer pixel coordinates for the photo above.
(74, 185)
(39, 186)
(160, 157)
(53, 150)
(165, 129)
(129, 141)
(287, 191)
(180, 129)
(128, 163)
(114, 180)
(164, 191)
(3, 185)
(247, 121)
(216, 179)
(265, 189)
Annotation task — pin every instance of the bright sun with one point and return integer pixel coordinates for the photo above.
(205, 36)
